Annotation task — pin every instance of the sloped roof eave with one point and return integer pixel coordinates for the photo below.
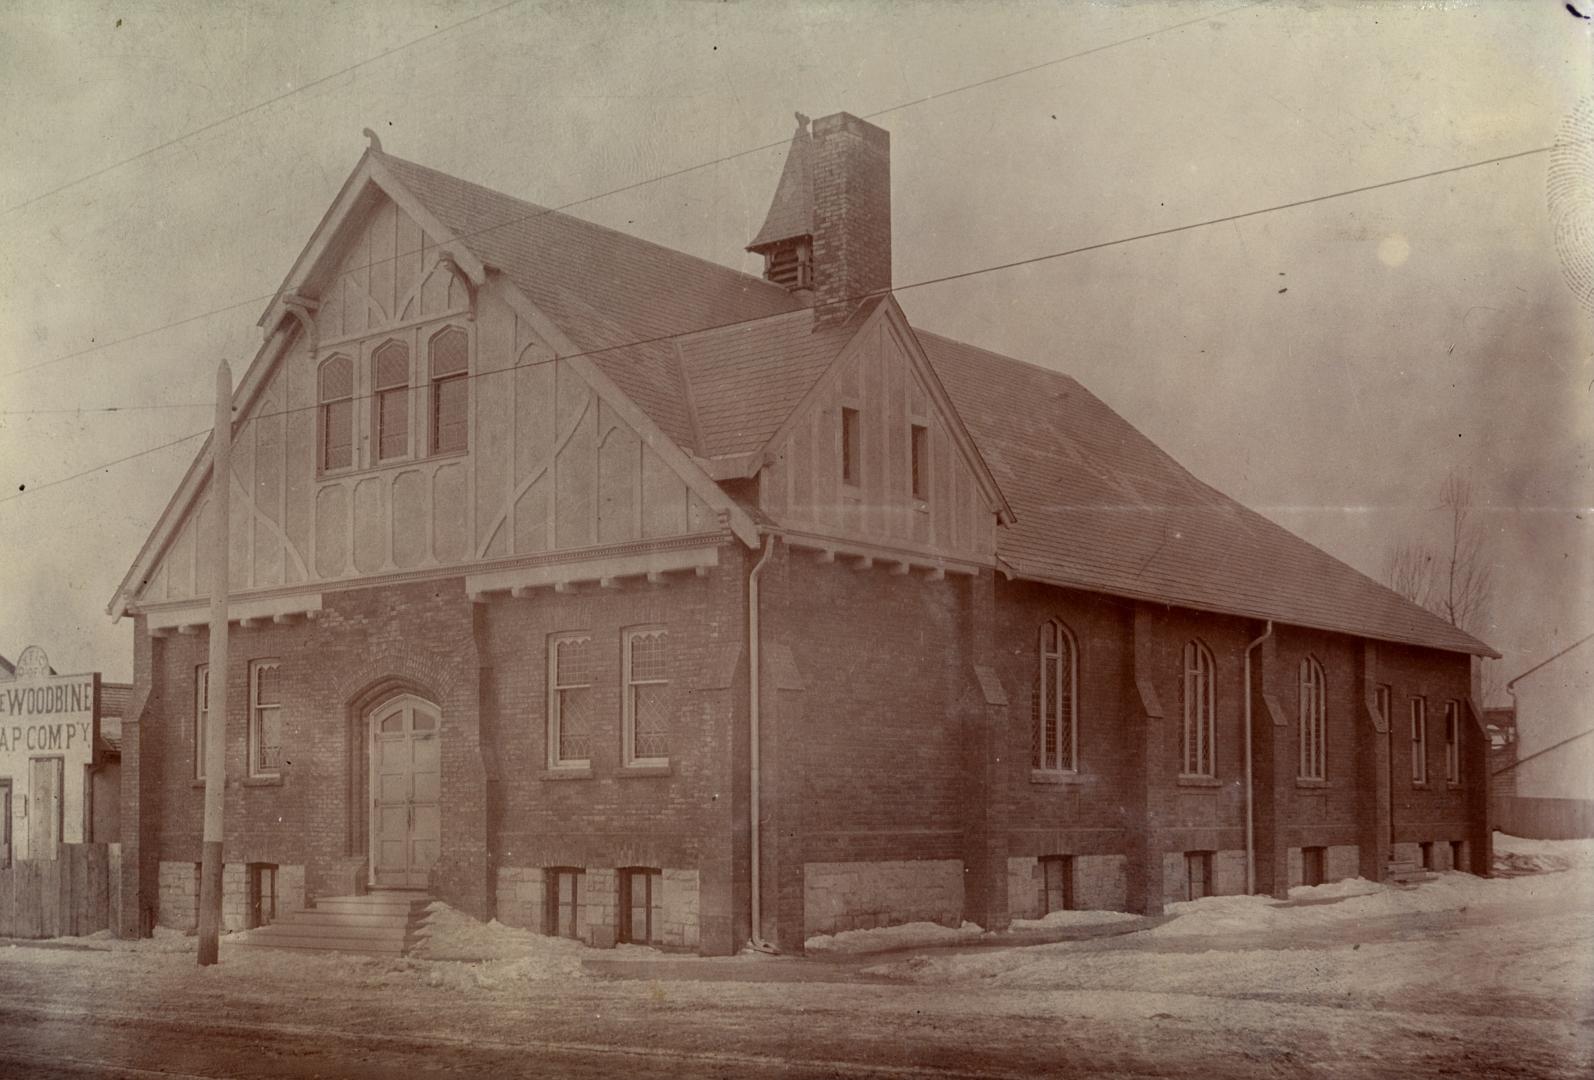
(1018, 572)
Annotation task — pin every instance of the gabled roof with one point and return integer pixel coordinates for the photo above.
(718, 359)
(1100, 507)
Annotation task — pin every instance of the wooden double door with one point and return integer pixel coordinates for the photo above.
(406, 790)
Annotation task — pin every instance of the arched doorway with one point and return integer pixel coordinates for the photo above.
(406, 785)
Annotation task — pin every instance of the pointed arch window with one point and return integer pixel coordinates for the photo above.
(1199, 726)
(1056, 740)
(1313, 714)
(449, 361)
(390, 385)
(335, 395)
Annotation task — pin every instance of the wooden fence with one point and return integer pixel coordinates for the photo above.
(76, 893)
(1542, 819)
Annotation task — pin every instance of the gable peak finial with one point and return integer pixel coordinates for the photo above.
(802, 122)
(376, 142)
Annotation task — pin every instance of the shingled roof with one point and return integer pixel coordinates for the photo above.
(725, 356)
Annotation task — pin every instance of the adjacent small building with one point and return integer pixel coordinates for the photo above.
(60, 778)
(1546, 789)
(615, 593)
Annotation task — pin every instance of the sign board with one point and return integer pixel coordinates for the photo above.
(49, 729)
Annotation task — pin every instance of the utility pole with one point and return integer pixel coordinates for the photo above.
(216, 679)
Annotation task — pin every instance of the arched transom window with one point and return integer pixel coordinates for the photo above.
(335, 393)
(1199, 728)
(1056, 742)
(390, 382)
(449, 360)
(1313, 713)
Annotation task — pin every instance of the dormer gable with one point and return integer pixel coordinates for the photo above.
(876, 453)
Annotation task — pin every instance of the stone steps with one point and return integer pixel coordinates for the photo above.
(380, 924)
(1407, 873)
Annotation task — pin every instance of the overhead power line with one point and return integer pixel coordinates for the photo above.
(230, 117)
(639, 183)
(922, 283)
(25, 490)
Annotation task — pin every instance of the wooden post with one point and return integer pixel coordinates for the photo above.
(216, 689)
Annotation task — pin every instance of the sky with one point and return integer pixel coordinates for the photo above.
(1326, 364)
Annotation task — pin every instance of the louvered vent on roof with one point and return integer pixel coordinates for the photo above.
(791, 264)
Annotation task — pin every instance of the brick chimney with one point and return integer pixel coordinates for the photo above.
(828, 231)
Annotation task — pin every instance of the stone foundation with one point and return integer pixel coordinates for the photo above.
(680, 909)
(864, 895)
(522, 899)
(1100, 884)
(179, 894)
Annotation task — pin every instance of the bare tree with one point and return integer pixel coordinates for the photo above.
(1409, 570)
(1454, 577)
(1466, 575)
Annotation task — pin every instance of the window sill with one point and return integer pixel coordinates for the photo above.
(568, 773)
(1419, 785)
(1200, 782)
(1055, 776)
(1310, 784)
(262, 781)
(645, 770)
(387, 465)
(1455, 785)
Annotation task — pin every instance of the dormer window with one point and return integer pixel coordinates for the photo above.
(390, 381)
(449, 357)
(335, 388)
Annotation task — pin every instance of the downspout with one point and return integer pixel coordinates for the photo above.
(754, 827)
(1250, 814)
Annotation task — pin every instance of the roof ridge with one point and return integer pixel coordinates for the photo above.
(768, 286)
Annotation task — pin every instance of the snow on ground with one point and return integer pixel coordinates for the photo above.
(1063, 919)
(466, 952)
(906, 936)
(1525, 940)
(1519, 854)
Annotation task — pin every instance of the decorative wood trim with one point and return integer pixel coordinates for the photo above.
(605, 570)
(191, 618)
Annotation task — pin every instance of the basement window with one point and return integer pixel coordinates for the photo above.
(262, 894)
(566, 895)
(1057, 883)
(1458, 855)
(850, 447)
(1314, 865)
(1197, 874)
(1427, 854)
(641, 905)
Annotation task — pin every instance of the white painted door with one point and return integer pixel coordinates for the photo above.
(406, 824)
(44, 807)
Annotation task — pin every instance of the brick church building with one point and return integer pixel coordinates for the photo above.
(611, 592)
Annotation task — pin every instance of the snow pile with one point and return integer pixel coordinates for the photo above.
(468, 953)
(906, 936)
(1519, 855)
(1061, 920)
